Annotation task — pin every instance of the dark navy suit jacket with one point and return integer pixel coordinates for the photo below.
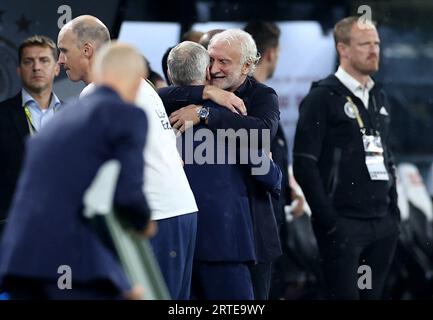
(225, 231)
(229, 193)
(46, 227)
(13, 131)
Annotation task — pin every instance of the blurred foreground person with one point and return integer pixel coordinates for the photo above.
(166, 186)
(47, 232)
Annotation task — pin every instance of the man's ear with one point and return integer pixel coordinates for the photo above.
(169, 75)
(88, 50)
(273, 54)
(57, 69)
(19, 71)
(267, 55)
(208, 73)
(246, 68)
(342, 50)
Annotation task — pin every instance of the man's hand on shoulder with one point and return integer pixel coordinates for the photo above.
(224, 98)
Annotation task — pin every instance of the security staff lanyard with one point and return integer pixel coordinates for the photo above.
(32, 128)
(373, 148)
(29, 117)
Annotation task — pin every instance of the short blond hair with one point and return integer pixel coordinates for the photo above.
(121, 60)
(343, 28)
(38, 41)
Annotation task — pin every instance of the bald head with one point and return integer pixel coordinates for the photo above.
(121, 67)
(90, 29)
(78, 42)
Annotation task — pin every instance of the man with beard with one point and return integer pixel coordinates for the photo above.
(343, 163)
(233, 58)
(266, 34)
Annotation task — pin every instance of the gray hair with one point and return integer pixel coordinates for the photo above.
(246, 43)
(187, 63)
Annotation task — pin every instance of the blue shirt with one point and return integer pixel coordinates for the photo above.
(39, 117)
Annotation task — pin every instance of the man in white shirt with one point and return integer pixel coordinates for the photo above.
(170, 197)
(78, 42)
(166, 186)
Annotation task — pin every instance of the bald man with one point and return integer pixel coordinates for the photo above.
(166, 185)
(47, 231)
(78, 42)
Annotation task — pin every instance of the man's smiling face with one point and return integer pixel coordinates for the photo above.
(226, 70)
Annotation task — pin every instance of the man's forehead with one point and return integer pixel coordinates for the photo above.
(363, 29)
(65, 35)
(67, 27)
(40, 51)
(224, 48)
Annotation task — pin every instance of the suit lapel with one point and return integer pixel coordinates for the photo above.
(19, 117)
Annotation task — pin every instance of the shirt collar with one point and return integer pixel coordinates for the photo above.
(351, 83)
(87, 90)
(28, 99)
(242, 88)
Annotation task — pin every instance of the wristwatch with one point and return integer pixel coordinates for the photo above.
(203, 113)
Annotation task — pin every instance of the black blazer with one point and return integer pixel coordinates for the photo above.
(13, 132)
(263, 113)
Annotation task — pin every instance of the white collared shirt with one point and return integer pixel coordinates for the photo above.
(360, 91)
(87, 90)
(165, 183)
(39, 117)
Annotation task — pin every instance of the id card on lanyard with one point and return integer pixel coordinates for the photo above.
(32, 128)
(373, 148)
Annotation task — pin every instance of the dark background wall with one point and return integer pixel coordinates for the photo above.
(405, 27)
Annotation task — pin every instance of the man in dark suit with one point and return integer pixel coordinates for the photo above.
(47, 230)
(231, 67)
(266, 35)
(225, 242)
(26, 112)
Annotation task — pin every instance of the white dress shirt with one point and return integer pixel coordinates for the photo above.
(360, 91)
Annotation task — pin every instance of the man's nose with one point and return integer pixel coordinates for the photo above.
(36, 65)
(62, 59)
(214, 68)
(375, 49)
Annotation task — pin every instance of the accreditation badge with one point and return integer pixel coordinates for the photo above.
(374, 159)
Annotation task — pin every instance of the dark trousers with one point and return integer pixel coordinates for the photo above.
(174, 246)
(355, 246)
(261, 279)
(221, 281)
